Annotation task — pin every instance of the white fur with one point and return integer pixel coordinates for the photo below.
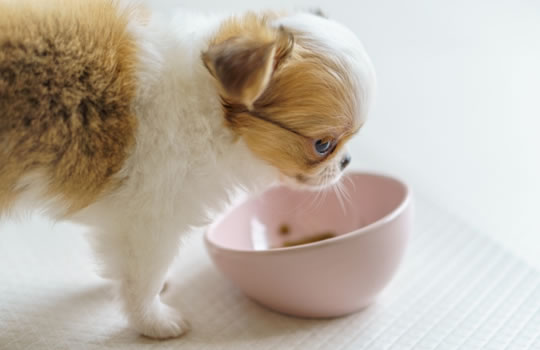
(339, 42)
(186, 166)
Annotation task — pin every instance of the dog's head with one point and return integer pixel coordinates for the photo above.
(296, 88)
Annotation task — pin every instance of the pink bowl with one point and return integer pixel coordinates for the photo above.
(327, 278)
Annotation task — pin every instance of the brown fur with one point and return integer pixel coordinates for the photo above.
(309, 96)
(244, 55)
(66, 84)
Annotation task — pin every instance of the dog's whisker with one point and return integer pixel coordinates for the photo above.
(353, 184)
(345, 193)
(313, 202)
(340, 200)
(322, 191)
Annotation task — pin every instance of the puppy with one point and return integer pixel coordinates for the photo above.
(143, 127)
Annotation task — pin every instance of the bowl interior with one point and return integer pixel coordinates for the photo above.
(283, 217)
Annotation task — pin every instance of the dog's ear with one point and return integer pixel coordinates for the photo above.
(243, 66)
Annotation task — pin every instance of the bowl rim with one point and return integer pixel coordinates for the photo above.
(390, 216)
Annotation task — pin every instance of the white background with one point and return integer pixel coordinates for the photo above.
(458, 107)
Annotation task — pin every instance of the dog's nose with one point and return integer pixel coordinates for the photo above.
(345, 161)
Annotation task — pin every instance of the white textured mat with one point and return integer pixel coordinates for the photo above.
(456, 290)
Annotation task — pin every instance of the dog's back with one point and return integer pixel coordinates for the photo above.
(66, 85)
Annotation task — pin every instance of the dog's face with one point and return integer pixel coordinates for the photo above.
(295, 88)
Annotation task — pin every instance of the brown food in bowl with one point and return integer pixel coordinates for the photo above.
(284, 229)
(310, 239)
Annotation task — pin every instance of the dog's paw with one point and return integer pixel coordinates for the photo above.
(160, 321)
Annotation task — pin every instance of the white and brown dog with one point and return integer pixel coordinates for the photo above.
(140, 127)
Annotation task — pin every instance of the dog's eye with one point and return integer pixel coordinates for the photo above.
(323, 146)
